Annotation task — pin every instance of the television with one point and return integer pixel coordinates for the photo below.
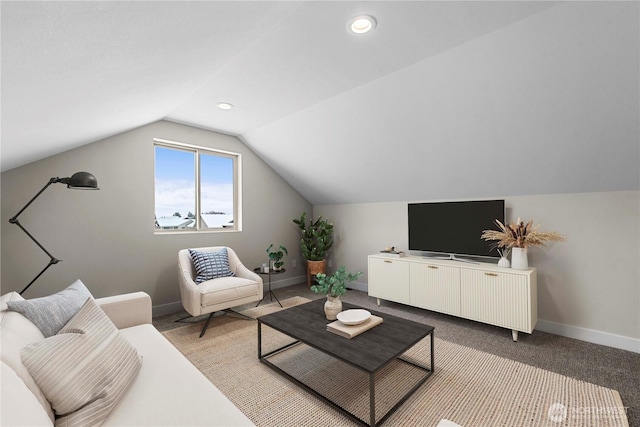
(454, 228)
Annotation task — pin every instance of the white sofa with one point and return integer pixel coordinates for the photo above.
(168, 390)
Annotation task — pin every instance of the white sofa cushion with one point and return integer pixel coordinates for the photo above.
(4, 300)
(226, 290)
(85, 369)
(169, 390)
(16, 332)
(52, 312)
(19, 405)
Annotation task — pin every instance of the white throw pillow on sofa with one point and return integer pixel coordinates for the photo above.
(19, 406)
(16, 332)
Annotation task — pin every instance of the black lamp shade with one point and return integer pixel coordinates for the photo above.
(82, 180)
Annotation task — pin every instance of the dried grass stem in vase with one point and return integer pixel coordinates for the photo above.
(520, 235)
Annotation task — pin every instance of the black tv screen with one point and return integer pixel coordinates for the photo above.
(454, 228)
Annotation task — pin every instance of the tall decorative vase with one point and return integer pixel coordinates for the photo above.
(332, 307)
(519, 259)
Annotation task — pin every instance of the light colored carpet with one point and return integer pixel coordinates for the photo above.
(470, 387)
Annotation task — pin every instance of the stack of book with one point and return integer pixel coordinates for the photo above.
(350, 331)
(393, 254)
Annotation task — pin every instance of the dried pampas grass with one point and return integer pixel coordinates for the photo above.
(520, 235)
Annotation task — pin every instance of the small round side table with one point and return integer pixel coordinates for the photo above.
(269, 292)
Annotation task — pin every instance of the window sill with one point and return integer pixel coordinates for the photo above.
(213, 231)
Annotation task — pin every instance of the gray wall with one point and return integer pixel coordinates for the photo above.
(588, 286)
(106, 238)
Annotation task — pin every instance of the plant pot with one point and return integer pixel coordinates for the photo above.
(315, 267)
(519, 260)
(272, 265)
(332, 307)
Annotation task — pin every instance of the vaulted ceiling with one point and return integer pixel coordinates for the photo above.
(442, 100)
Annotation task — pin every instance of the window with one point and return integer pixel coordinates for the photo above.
(196, 188)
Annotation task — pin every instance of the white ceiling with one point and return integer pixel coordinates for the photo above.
(442, 100)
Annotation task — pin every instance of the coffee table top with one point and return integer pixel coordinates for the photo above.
(368, 351)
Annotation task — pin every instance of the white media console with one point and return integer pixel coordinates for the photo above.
(477, 291)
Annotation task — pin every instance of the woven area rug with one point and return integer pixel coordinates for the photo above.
(469, 387)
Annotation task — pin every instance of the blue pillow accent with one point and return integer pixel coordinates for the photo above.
(51, 313)
(211, 265)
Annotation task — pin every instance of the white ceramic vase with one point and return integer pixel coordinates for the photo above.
(504, 262)
(332, 307)
(519, 259)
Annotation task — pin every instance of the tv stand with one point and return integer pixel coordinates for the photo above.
(450, 257)
(482, 292)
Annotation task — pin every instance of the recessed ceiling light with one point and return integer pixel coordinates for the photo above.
(225, 106)
(362, 24)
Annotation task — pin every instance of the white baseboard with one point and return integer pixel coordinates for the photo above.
(161, 310)
(277, 284)
(590, 335)
(358, 286)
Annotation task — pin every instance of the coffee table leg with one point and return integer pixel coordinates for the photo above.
(372, 399)
(260, 341)
(433, 368)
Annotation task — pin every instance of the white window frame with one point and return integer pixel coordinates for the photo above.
(237, 186)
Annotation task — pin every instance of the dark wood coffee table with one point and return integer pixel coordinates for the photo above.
(369, 351)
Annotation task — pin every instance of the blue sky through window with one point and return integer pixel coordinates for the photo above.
(216, 187)
(175, 182)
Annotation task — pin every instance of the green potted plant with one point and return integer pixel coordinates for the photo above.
(317, 239)
(334, 287)
(276, 255)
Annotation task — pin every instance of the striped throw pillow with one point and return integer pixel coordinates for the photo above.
(210, 265)
(85, 369)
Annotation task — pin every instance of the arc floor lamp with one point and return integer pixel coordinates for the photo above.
(77, 181)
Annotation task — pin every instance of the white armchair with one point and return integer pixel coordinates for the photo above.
(218, 294)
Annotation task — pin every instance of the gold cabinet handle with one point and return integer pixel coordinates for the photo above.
(390, 262)
(491, 274)
(432, 266)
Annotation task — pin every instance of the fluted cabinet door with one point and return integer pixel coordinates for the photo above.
(435, 287)
(389, 279)
(498, 298)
